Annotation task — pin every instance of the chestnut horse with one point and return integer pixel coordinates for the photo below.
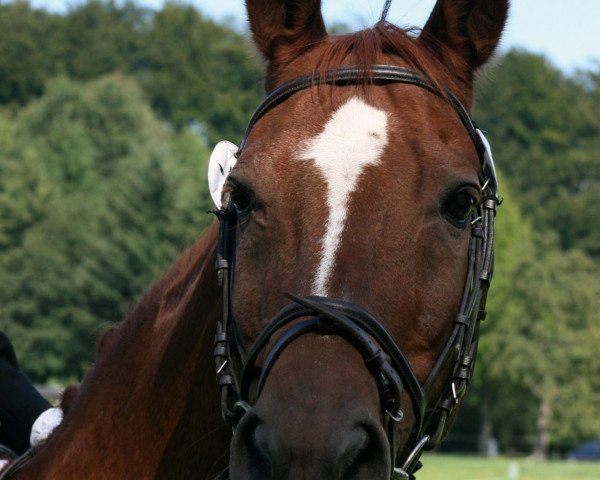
(363, 190)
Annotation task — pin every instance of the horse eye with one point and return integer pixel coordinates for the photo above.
(458, 208)
(243, 199)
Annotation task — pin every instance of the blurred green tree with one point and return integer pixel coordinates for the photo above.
(96, 197)
(547, 129)
(102, 36)
(537, 367)
(197, 72)
(30, 51)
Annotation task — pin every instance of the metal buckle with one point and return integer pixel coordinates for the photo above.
(222, 367)
(400, 474)
(396, 418)
(412, 456)
(454, 396)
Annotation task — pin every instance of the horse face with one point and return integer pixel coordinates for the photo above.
(358, 193)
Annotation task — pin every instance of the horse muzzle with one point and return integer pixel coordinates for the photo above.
(324, 422)
(306, 379)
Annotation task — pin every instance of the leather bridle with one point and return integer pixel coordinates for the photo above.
(237, 369)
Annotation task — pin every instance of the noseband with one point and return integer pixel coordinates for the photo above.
(237, 369)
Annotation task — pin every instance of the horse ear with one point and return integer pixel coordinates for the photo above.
(283, 28)
(469, 28)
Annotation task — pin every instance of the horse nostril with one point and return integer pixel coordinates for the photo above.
(363, 455)
(261, 442)
(250, 453)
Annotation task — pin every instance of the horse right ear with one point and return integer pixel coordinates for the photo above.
(284, 28)
(470, 28)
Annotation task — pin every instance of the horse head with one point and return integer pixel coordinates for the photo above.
(362, 190)
(354, 253)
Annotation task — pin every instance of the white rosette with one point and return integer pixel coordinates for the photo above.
(45, 425)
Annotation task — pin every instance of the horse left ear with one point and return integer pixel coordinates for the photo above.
(282, 29)
(470, 28)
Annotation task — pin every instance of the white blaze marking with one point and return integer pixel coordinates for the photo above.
(353, 138)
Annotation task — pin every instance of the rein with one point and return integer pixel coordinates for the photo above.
(17, 464)
(236, 369)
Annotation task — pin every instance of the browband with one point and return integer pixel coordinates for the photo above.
(377, 75)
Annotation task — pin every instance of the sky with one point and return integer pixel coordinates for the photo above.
(566, 31)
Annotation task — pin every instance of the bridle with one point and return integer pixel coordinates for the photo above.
(237, 369)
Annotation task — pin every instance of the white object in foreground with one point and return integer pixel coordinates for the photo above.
(45, 425)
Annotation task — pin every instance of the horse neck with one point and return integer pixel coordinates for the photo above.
(149, 406)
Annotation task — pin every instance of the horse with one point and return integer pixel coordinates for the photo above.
(353, 248)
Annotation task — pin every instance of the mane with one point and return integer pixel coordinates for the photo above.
(365, 48)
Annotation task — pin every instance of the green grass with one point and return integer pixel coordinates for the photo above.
(455, 467)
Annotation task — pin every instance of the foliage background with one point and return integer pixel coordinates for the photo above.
(107, 113)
